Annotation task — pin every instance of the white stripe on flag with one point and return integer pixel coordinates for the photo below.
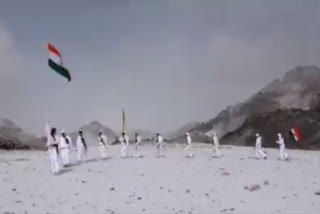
(55, 58)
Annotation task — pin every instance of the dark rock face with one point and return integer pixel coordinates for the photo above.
(8, 144)
(280, 121)
(13, 137)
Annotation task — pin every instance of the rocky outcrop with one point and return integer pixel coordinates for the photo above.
(13, 137)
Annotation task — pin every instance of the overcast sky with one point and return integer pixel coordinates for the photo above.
(166, 62)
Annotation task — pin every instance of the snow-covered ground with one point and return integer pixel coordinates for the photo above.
(235, 183)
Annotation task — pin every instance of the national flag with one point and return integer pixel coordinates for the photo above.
(55, 62)
(296, 134)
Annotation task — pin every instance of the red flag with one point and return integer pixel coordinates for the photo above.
(296, 134)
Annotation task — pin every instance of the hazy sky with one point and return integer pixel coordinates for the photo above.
(166, 62)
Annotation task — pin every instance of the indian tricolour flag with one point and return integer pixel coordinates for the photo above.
(55, 62)
(296, 134)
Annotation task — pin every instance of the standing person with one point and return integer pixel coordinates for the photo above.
(123, 146)
(82, 147)
(137, 145)
(282, 148)
(124, 140)
(127, 141)
(259, 152)
(188, 145)
(159, 145)
(102, 141)
(215, 139)
(64, 147)
(53, 150)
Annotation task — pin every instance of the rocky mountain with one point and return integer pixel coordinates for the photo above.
(91, 132)
(298, 89)
(13, 137)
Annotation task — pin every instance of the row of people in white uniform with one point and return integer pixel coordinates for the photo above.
(215, 149)
(124, 140)
(259, 153)
(60, 146)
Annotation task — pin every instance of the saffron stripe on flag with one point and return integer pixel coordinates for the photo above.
(52, 49)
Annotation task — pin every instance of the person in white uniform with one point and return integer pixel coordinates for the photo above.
(82, 147)
(102, 143)
(137, 144)
(188, 145)
(258, 147)
(159, 145)
(124, 140)
(53, 150)
(64, 147)
(282, 148)
(216, 151)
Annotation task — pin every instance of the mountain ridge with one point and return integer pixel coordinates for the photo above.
(297, 89)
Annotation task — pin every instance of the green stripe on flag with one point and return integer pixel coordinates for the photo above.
(59, 69)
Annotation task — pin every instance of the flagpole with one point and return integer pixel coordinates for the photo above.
(123, 121)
